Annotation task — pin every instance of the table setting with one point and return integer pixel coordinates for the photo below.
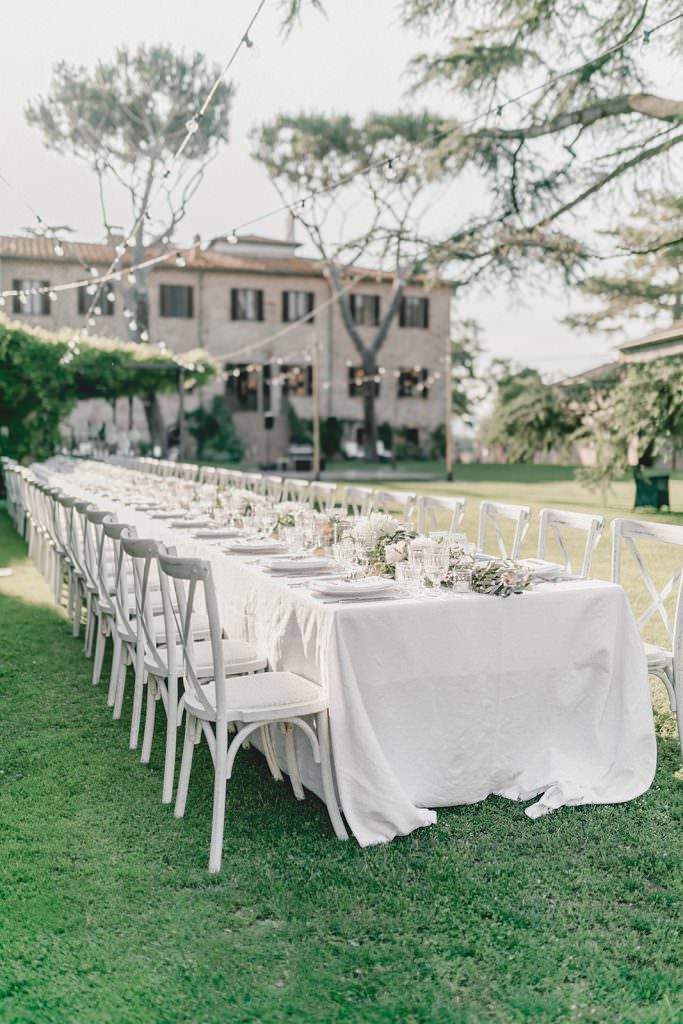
(451, 675)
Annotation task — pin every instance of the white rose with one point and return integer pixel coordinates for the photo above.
(394, 553)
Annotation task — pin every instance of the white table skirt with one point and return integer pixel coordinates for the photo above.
(443, 701)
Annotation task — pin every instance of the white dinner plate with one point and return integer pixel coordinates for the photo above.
(254, 547)
(539, 567)
(191, 524)
(352, 588)
(293, 565)
(217, 533)
(174, 513)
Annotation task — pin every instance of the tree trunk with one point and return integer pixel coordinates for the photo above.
(369, 416)
(155, 422)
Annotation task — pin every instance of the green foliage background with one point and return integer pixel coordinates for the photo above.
(38, 388)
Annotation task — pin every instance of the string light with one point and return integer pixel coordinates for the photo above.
(180, 260)
(59, 249)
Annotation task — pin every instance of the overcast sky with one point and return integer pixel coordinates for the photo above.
(352, 61)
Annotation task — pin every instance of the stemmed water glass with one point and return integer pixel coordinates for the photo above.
(436, 562)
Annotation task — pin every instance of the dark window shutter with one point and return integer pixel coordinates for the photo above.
(402, 313)
(81, 301)
(45, 299)
(16, 305)
(426, 312)
(311, 303)
(190, 301)
(162, 300)
(233, 303)
(376, 310)
(259, 305)
(285, 309)
(354, 308)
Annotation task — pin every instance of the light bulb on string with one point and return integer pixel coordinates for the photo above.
(130, 278)
(2, 300)
(52, 296)
(91, 289)
(121, 248)
(97, 311)
(249, 43)
(232, 237)
(127, 313)
(23, 299)
(133, 325)
(192, 126)
(92, 271)
(180, 260)
(144, 336)
(110, 296)
(59, 249)
(91, 321)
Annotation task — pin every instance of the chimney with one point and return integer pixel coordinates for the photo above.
(196, 246)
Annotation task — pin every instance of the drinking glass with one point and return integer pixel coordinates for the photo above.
(409, 577)
(436, 565)
(462, 581)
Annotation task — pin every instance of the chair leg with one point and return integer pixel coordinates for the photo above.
(185, 766)
(100, 645)
(89, 625)
(150, 714)
(323, 730)
(292, 764)
(140, 680)
(219, 794)
(115, 667)
(120, 684)
(171, 743)
(269, 752)
(77, 608)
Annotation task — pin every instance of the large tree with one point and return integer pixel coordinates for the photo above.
(373, 217)
(126, 119)
(648, 286)
(570, 155)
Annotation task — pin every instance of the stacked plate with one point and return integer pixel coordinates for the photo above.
(370, 586)
(191, 524)
(254, 547)
(217, 533)
(539, 567)
(295, 565)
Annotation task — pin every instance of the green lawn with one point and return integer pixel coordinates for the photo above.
(109, 915)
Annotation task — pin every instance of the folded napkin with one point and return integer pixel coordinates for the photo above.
(290, 564)
(217, 532)
(254, 547)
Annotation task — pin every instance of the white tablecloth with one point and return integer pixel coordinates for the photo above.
(443, 701)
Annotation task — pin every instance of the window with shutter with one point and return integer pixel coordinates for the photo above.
(176, 300)
(36, 301)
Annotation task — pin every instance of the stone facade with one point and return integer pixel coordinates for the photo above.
(412, 358)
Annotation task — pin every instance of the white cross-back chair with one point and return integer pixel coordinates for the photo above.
(239, 658)
(358, 499)
(430, 506)
(249, 702)
(662, 662)
(273, 487)
(394, 502)
(322, 494)
(554, 525)
(492, 514)
(295, 490)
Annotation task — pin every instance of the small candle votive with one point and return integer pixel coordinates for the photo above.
(462, 581)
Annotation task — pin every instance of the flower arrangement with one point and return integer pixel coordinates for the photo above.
(497, 577)
(387, 542)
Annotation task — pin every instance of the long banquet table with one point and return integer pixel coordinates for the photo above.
(439, 701)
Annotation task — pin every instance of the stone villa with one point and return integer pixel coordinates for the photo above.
(230, 299)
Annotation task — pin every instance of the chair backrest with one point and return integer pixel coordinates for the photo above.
(402, 502)
(119, 585)
(253, 482)
(358, 499)
(187, 576)
(428, 508)
(295, 490)
(321, 494)
(491, 513)
(626, 535)
(273, 487)
(92, 519)
(554, 525)
(142, 553)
